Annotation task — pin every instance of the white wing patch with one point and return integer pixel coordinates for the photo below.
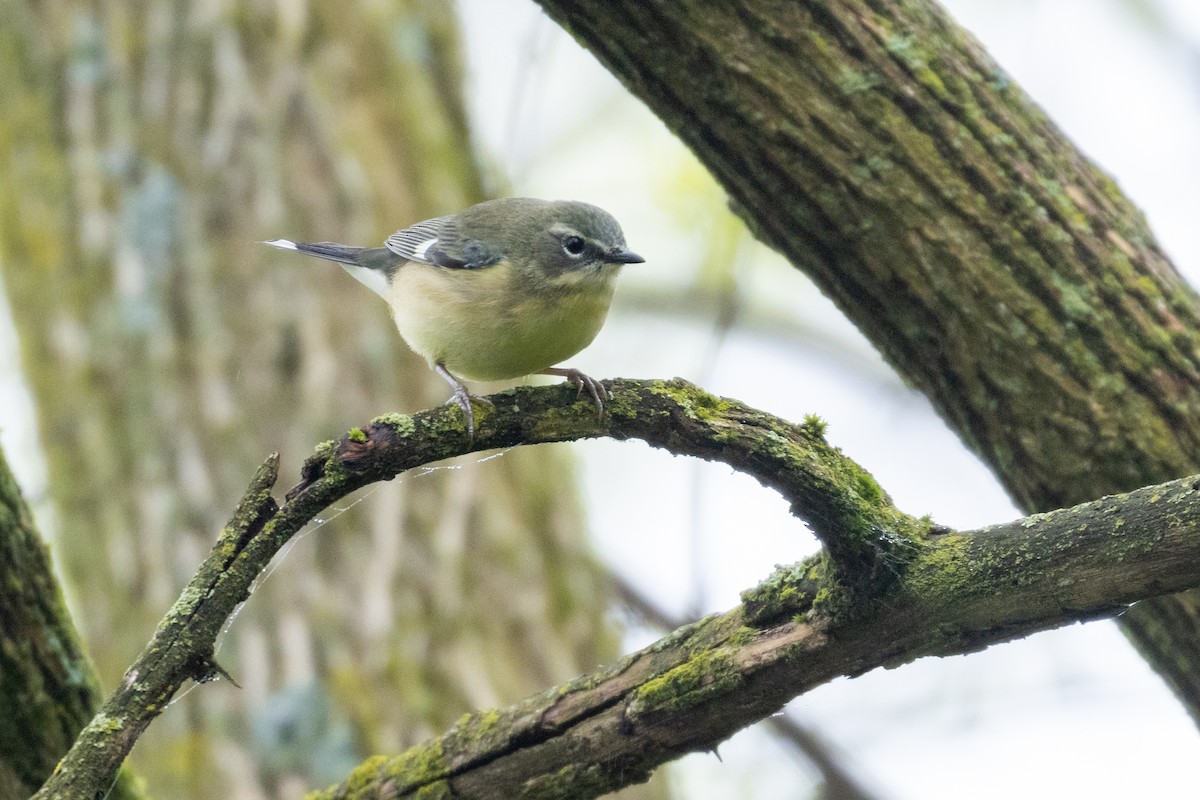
(420, 250)
(413, 243)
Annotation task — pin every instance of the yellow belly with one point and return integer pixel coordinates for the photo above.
(478, 326)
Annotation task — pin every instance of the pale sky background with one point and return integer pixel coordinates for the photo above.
(1073, 712)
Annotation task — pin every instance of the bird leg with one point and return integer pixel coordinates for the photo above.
(461, 398)
(594, 388)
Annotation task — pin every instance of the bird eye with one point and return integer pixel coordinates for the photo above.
(573, 245)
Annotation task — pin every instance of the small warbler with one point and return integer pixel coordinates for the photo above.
(504, 289)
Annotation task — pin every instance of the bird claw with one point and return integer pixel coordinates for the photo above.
(583, 382)
(462, 398)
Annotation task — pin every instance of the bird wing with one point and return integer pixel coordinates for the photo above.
(439, 243)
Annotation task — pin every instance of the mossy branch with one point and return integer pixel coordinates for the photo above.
(879, 148)
(841, 502)
(888, 588)
(957, 592)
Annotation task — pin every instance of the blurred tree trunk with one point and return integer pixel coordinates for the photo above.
(877, 146)
(146, 148)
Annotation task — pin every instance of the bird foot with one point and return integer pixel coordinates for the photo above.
(462, 398)
(595, 389)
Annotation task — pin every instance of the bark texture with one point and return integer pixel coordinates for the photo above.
(877, 146)
(49, 687)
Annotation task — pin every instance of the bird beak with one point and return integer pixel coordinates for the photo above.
(624, 257)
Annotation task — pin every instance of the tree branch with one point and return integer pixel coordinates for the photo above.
(877, 146)
(842, 503)
(921, 591)
(837, 781)
(958, 593)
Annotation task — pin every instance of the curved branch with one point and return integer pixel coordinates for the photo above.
(888, 588)
(841, 502)
(959, 592)
(877, 146)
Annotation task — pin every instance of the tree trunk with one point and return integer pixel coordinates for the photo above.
(49, 687)
(877, 146)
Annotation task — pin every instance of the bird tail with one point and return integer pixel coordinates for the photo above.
(330, 251)
(371, 266)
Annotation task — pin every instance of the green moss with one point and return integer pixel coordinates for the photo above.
(419, 765)
(911, 52)
(774, 446)
(867, 487)
(900, 45)
(878, 164)
(831, 601)
(696, 681)
(1076, 301)
(106, 724)
(362, 775)
(677, 637)
(487, 720)
(557, 423)
(931, 80)
(356, 435)
(435, 791)
(814, 427)
(743, 636)
(622, 405)
(697, 404)
(851, 81)
(474, 732)
(627, 404)
(403, 423)
(941, 569)
(788, 591)
(573, 780)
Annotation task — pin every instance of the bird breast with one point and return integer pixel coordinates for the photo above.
(481, 325)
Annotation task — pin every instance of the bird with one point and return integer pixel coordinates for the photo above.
(506, 288)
